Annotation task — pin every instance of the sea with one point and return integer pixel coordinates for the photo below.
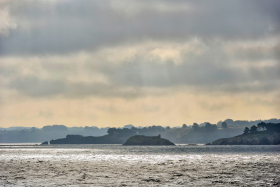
(117, 165)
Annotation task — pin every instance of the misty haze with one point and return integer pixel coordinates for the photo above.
(139, 93)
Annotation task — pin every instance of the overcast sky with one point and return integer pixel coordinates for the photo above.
(113, 63)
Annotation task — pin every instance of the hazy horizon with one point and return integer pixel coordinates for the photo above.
(140, 126)
(113, 63)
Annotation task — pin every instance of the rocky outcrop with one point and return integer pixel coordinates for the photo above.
(45, 143)
(256, 138)
(147, 140)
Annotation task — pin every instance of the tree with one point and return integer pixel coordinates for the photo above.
(167, 128)
(253, 128)
(209, 127)
(195, 127)
(184, 126)
(214, 127)
(111, 131)
(229, 122)
(246, 130)
(133, 129)
(86, 128)
(261, 125)
(224, 125)
(272, 127)
(55, 128)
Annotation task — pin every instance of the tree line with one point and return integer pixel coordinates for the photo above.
(270, 127)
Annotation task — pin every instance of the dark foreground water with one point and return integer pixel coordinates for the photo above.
(116, 165)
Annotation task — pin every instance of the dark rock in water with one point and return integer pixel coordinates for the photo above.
(208, 144)
(256, 138)
(45, 143)
(147, 140)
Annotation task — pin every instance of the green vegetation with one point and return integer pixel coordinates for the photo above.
(207, 128)
(54, 128)
(224, 125)
(262, 134)
(271, 127)
(246, 130)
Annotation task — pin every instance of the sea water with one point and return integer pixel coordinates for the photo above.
(117, 165)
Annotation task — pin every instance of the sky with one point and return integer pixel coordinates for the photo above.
(113, 63)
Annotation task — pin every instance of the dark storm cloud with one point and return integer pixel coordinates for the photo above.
(69, 26)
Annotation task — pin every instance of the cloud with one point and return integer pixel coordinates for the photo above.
(35, 87)
(48, 27)
(213, 68)
(7, 24)
(202, 74)
(129, 71)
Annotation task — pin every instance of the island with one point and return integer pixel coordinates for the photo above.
(114, 136)
(79, 139)
(270, 136)
(147, 140)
